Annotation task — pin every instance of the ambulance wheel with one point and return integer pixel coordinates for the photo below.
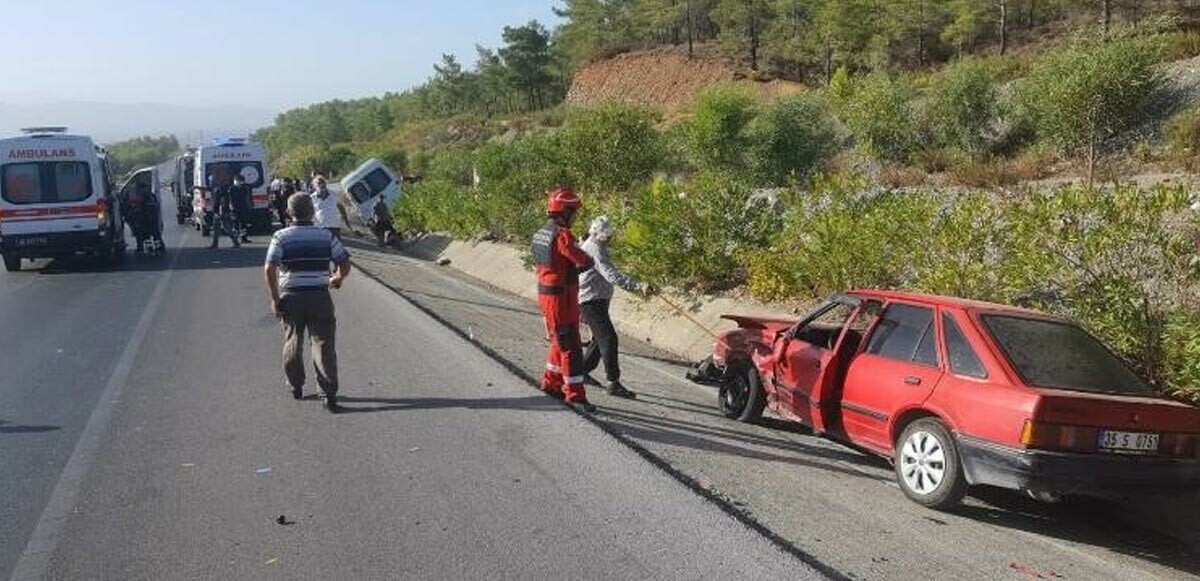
(12, 263)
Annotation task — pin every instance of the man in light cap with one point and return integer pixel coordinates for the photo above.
(595, 296)
(559, 262)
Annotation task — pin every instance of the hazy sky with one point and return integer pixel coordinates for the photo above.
(273, 54)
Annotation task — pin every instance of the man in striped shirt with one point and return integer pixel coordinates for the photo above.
(298, 281)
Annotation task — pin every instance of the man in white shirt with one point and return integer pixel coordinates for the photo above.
(326, 206)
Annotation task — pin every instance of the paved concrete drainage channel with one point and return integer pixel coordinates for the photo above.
(831, 507)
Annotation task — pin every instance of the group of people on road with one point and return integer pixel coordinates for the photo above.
(231, 209)
(573, 281)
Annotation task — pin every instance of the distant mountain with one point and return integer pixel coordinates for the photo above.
(109, 122)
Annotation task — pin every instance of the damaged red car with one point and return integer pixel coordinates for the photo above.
(959, 393)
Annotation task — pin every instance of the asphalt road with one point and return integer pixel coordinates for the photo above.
(831, 505)
(145, 434)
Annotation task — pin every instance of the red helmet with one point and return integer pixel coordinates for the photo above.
(563, 199)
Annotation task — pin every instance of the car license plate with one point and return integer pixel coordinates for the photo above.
(28, 241)
(1128, 442)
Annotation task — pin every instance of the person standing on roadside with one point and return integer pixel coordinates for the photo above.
(224, 220)
(326, 207)
(242, 198)
(298, 280)
(595, 297)
(559, 261)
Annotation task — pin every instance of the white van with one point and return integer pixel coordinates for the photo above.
(369, 184)
(217, 163)
(56, 198)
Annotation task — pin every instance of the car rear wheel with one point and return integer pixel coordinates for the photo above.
(741, 396)
(12, 263)
(928, 468)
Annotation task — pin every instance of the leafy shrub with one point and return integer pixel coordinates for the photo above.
(691, 237)
(439, 206)
(1082, 95)
(791, 139)
(715, 134)
(880, 113)
(332, 161)
(514, 179)
(963, 106)
(1183, 134)
(453, 165)
(610, 148)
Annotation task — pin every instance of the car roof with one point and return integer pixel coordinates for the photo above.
(956, 302)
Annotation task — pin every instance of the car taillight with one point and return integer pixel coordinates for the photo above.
(1044, 436)
(1180, 445)
(101, 211)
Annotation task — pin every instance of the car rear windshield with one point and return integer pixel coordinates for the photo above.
(1059, 355)
(45, 182)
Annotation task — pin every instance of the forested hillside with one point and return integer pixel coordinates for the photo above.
(141, 152)
(903, 162)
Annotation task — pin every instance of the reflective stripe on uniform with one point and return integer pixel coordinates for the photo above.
(554, 368)
(575, 380)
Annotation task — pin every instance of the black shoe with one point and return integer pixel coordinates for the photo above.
(237, 244)
(582, 406)
(589, 380)
(615, 389)
(298, 392)
(331, 404)
(212, 246)
(246, 240)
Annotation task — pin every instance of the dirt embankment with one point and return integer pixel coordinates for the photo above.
(664, 78)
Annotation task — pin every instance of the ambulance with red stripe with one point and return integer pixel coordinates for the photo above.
(56, 198)
(218, 162)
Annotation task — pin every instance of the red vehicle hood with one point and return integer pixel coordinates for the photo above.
(1115, 411)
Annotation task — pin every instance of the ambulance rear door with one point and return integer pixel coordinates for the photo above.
(49, 187)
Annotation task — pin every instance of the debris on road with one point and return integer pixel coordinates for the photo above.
(414, 449)
(188, 465)
(263, 471)
(283, 520)
(272, 561)
(443, 262)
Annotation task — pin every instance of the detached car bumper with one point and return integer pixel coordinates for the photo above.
(51, 244)
(1068, 473)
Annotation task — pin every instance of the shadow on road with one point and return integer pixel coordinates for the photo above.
(533, 403)
(11, 428)
(1087, 521)
(190, 258)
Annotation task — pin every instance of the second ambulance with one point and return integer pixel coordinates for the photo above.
(218, 162)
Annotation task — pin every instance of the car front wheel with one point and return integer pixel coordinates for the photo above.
(12, 263)
(928, 468)
(741, 395)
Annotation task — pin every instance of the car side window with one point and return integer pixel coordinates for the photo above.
(963, 360)
(905, 333)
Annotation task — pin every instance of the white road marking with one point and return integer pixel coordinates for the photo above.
(35, 559)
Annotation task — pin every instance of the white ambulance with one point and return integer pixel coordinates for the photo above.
(218, 162)
(57, 198)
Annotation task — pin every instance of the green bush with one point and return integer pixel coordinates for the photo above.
(332, 161)
(691, 237)
(790, 140)
(963, 105)
(454, 165)
(610, 148)
(439, 206)
(1082, 95)
(879, 111)
(1183, 134)
(514, 179)
(715, 135)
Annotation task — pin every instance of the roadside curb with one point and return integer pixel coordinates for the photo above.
(715, 497)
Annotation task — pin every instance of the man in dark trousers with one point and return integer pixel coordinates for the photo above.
(242, 198)
(224, 218)
(559, 261)
(595, 297)
(298, 283)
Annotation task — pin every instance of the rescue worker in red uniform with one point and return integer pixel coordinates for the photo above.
(559, 261)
